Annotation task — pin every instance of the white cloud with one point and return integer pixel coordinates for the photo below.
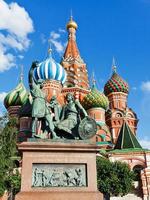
(7, 61)
(2, 108)
(61, 30)
(10, 41)
(15, 25)
(145, 86)
(58, 45)
(54, 35)
(56, 40)
(20, 57)
(145, 143)
(15, 19)
(2, 96)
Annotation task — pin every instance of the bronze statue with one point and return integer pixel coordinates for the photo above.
(40, 109)
(71, 114)
(55, 109)
(46, 117)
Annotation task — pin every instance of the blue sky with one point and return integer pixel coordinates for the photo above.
(106, 28)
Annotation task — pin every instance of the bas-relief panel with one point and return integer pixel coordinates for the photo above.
(59, 175)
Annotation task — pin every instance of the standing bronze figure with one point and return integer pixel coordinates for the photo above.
(40, 108)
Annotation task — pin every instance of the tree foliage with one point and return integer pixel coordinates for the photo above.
(9, 178)
(114, 178)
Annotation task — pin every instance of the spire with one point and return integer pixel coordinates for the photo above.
(21, 73)
(71, 24)
(49, 48)
(93, 81)
(126, 139)
(71, 15)
(77, 75)
(114, 68)
(71, 49)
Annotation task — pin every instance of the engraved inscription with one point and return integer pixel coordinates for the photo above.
(59, 175)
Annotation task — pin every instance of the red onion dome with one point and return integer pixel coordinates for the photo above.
(116, 84)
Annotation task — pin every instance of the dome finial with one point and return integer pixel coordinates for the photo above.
(71, 23)
(93, 80)
(49, 48)
(114, 68)
(71, 15)
(21, 73)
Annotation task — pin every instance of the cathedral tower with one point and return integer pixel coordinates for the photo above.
(117, 89)
(77, 75)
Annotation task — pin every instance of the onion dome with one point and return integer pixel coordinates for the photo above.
(95, 99)
(71, 24)
(116, 84)
(16, 97)
(50, 69)
(26, 109)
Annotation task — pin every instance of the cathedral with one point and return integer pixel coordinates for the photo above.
(116, 121)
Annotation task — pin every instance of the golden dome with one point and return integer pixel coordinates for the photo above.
(72, 24)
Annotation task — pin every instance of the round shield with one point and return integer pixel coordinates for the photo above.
(87, 128)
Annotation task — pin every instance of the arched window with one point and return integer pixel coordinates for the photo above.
(137, 170)
(130, 115)
(118, 115)
(137, 180)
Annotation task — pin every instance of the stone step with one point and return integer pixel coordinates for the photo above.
(127, 197)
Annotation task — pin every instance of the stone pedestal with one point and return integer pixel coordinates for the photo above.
(77, 159)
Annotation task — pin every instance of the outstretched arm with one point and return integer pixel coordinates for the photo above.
(81, 108)
(30, 76)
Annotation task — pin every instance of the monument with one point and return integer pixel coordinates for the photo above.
(59, 160)
(58, 154)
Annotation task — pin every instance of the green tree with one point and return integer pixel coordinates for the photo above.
(9, 178)
(114, 178)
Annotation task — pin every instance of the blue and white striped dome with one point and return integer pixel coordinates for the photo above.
(49, 69)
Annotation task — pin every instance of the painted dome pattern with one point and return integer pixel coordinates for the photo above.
(16, 97)
(116, 84)
(49, 69)
(95, 99)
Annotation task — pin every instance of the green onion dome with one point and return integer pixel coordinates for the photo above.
(26, 109)
(16, 97)
(116, 84)
(95, 99)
